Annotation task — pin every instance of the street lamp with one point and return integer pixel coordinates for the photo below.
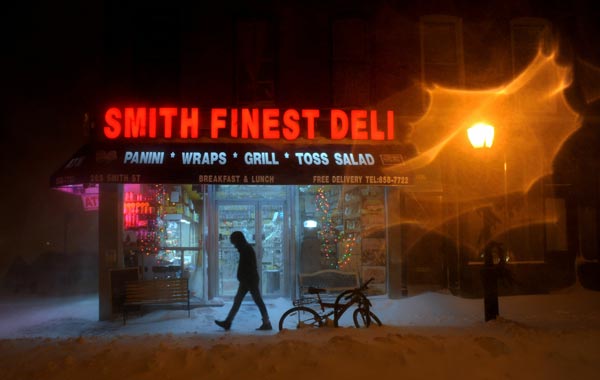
(481, 135)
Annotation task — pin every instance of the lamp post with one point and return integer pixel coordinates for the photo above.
(481, 135)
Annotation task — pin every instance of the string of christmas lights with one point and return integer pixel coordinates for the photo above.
(150, 241)
(330, 236)
(348, 243)
(328, 233)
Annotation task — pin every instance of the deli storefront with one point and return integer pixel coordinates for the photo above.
(310, 190)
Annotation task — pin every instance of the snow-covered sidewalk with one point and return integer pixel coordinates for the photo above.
(428, 336)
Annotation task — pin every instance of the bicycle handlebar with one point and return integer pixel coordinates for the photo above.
(363, 287)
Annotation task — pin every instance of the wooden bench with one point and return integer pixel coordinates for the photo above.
(332, 280)
(171, 292)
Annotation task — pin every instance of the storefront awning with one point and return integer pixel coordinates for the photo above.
(236, 163)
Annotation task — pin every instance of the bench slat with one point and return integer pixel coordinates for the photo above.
(172, 291)
(332, 280)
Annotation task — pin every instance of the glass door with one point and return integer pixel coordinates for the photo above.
(233, 217)
(273, 259)
(262, 219)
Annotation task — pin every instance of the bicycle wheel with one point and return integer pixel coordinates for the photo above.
(343, 302)
(341, 305)
(364, 318)
(299, 317)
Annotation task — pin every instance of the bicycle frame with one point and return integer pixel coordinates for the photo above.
(317, 317)
(327, 309)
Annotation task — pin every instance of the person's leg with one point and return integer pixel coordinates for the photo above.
(237, 301)
(255, 292)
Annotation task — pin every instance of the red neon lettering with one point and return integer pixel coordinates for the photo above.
(358, 124)
(310, 116)
(168, 114)
(291, 126)
(245, 123)
(152, 122)
(135, 122)
(113, 128)
(234, 122)
(217, 121)
(270, 123)
(339, 124)
(376, 134)
(250, 126)
(189, 123)
(390, 125)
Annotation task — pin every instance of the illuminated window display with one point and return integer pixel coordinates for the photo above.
(349, 233)
(161, 232)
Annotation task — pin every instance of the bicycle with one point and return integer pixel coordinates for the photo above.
(303, 316)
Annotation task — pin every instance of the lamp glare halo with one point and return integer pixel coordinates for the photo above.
(481, 135)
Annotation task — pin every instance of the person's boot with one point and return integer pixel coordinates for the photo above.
(224, 324)
(265, 326)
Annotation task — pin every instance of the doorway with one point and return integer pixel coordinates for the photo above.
(263, 223)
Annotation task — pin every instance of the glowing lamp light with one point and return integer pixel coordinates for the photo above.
(481, 135)
(310, 224)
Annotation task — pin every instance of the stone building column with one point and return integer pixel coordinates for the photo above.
(110, 249)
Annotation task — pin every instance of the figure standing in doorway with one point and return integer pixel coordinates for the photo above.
(490, 272)
(247, 275)
(310, 252)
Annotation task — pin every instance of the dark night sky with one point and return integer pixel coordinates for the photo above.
(49, 72)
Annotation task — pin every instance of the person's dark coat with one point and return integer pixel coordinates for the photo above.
(247, 272)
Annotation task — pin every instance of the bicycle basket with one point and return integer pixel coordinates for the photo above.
(305, 301)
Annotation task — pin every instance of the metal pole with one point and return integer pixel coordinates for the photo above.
(506, 213)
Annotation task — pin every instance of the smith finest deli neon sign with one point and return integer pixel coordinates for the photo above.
(242, 146)
(189, 123)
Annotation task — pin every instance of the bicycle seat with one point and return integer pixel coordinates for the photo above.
(313, 290)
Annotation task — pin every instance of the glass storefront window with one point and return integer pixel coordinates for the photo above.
(162, 232)
(343, 227)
